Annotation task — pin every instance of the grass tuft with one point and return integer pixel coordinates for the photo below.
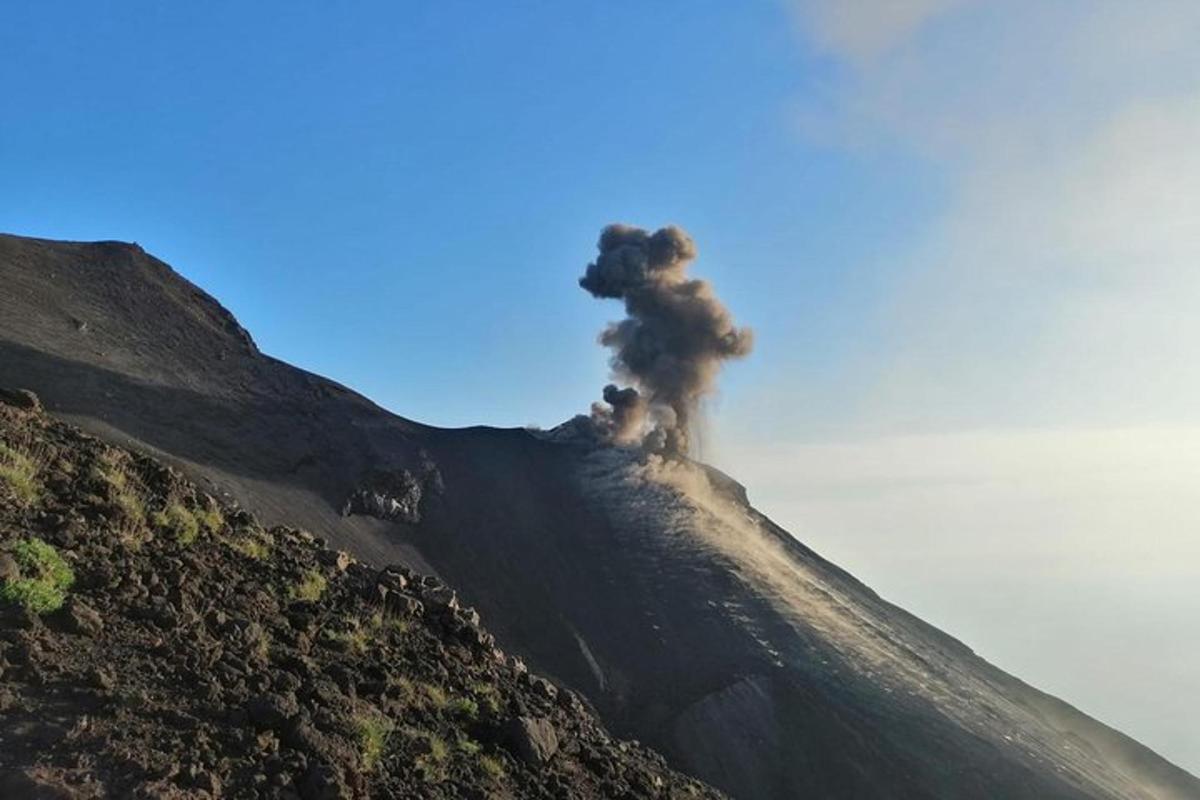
(109, 472)
(435, 696)
(492, 767)
(310, 587)
(179, 522)
(464, 707)
(488, 696)
(373, 733)
(18, 474)
(251, 546)
(211, 519)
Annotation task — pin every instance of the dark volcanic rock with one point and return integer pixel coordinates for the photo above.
(21, 398)
(78, 617)
(533, 739)
(393, 495)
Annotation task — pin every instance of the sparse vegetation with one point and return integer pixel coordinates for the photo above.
(431, 764)
(252, 546)
(310, 587)
(464, 707)
(435, 696)
(468, 745)
(373, 732)
(109, 472)
(354, 639)
(260, 646)
(487, 696)
(45, 577)
(18, 475)
(491, 766)
(211, 519)
(381, 622)
(179, 522)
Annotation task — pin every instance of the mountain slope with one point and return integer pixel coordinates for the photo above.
(654, 588)
(195, 654)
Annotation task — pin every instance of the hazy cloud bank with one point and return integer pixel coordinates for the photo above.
(1023, 414)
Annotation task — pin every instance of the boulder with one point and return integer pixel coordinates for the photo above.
(9, 569)
(324, 781)
(21, 398)
(78, 617)
(271, 711)
(393, 495)
(340, 560)
(533, 739)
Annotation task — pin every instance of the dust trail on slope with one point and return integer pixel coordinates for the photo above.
(676, 502)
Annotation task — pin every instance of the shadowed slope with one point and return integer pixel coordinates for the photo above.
(685, 617)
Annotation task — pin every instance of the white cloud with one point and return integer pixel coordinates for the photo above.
(1059, 289)
(862, 29)
(1015, 450)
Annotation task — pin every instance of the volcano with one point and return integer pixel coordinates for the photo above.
(650, 585)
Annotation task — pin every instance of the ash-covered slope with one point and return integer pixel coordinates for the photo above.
(687, 618)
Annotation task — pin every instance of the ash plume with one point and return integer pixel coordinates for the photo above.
(672, 342)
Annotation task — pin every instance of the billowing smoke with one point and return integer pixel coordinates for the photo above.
(671, 344)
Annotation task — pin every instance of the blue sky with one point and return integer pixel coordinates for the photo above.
(964, 232)
(401, 197)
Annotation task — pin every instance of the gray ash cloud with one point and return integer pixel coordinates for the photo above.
(672, 342)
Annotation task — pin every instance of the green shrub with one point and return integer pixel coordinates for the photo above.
(179, 522)
(45, 577)
(310, 587)
(18, 474)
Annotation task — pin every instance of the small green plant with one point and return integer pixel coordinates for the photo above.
(402, 688)
(18, 473)
(179, 522)
(492, 767)
(468, 745)
(46, 577)
(432, 764)
(373, 732)
(439, 751)
(211, 519)
(109, 472)
(251, 546)
(435, 696)
(464, 707)
(381, 622)
(355, 639)
(260, 646)
(488, 696)
(310, 587)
